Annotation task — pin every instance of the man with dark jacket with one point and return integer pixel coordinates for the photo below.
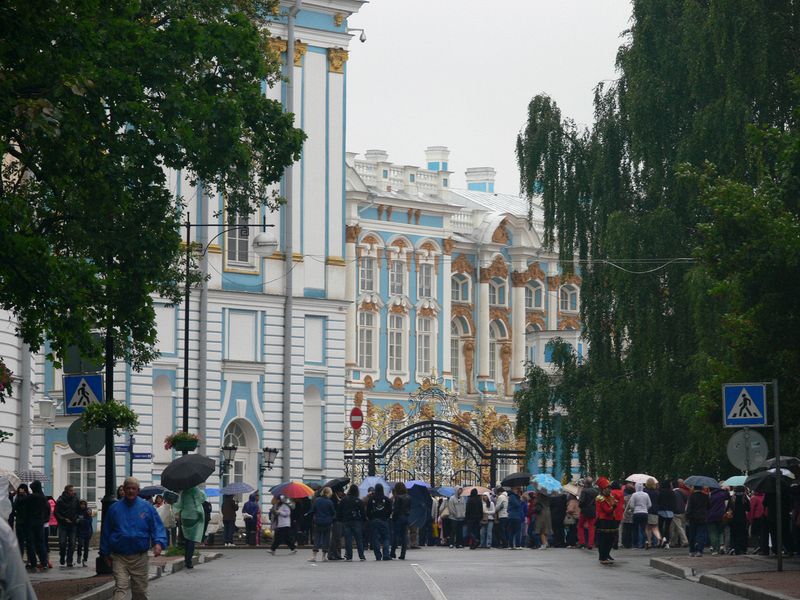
(677, 532)
(67, 517)
(351, 513)
(588, 517)
(401, 509)
(379, 511)
(697, 517)
(38, 515)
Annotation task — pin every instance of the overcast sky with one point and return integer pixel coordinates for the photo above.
(460, 73)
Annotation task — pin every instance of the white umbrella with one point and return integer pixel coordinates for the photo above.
(640, 478)
(12, 478)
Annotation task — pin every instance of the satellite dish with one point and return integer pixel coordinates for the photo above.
(85, 443)
(747, 450)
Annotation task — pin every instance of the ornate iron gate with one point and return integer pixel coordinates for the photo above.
(439, 452)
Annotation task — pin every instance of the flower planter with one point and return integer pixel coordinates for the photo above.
(187, 445)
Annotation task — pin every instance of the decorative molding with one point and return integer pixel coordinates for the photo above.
(500, 235)
(336, 261)
(380, 212)
(462, 265)
(505, 359)
(359, 398)
(410, 215)
(300, 50)
(572, 278)
(448, 245)
(568, 322)
(535, 271)
(535, 317)
(351, 233)
(498, 268)
(336, 59)
(338, 19)
(277, 46)
(520, 278)
(399, 242)
(465, 311)
(417, 215)
(553, 282)
(398, 384)
(368, 306)
(500, 313)
(389, 210)
(398, 309)
(427, 311)
(368, 382)
(469, 363)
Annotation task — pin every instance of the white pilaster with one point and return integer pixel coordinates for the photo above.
(446, 314)
(350, 293)
(518, 333)
(483, 330)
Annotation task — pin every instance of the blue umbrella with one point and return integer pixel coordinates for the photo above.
(419, 482)
(152, 490)
(446, 491)
(237, 487)
(371, 482)
(547, 482)
(701, 481)
(211, 492)
(735, 480)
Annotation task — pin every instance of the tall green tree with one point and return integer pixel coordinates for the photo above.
(97, 99)
(693, 74)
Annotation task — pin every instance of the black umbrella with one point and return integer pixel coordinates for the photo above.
(787, 462)
(764, 481)
(337, 483)
(517, 480)
(187, 471)
(152, 490)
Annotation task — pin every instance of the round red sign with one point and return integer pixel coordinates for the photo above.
(356, 418)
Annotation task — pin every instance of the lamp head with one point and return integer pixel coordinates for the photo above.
(363, 37)
(265, 243)
(229, 453)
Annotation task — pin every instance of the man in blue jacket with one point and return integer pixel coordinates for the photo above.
(130, 528)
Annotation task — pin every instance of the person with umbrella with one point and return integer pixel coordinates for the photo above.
(130, 528)
(191, 514)
(229, 509)
(251, 511)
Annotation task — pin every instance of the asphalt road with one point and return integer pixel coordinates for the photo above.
(431, 573)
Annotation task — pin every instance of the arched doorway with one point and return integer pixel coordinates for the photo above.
(242, 434)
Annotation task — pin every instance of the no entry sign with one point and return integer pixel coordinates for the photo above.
(356, 418)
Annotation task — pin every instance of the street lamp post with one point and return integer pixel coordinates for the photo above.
(264, 244)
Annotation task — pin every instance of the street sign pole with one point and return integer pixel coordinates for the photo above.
(778, 489)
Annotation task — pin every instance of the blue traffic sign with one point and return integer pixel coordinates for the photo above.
(142, 456)
(121, 448)
(82, 390)
(744, 405)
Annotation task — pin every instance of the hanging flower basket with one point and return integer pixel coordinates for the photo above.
(181, 441)
(110, 414)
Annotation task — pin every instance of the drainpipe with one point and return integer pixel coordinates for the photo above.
(288, 308)
(25, 409)
(202, 349)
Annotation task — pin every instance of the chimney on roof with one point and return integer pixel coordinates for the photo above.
(376, 156)
(480, 179)
(437, 157)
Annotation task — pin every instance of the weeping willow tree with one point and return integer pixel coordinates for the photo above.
(628, 198)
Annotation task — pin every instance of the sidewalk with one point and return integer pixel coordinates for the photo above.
(749, 576)
(84, 584)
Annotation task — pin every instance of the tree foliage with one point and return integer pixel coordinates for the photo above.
(97, 99)
(694, 75)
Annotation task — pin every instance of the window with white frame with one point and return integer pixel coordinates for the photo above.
(533, 295)
(568, 298)
(396, 343)
(425, 281)
(81, 474)
(530, 342)
(397, 278)
(367, 274)
(495, 335)
(424, 346)
(238, 241)
(459, 288)
(455, 358)
(366, 340)
(497, 292)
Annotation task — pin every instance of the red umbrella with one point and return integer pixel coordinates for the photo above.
(292, 489)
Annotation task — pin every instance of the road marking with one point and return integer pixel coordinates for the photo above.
(433, 588)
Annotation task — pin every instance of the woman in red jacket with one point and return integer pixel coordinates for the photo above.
(607, 523)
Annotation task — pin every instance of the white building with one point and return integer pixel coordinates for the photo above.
(237, 332)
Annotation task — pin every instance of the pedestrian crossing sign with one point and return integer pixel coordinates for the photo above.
(744, 405)
(82, 390)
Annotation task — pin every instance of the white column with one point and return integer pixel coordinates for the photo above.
(552, 302)
(518, 333)
(483, 330)
(445, 301)
(351, 269)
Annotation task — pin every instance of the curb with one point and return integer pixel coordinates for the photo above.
(106, 591)
(741, 589)
(669, 567)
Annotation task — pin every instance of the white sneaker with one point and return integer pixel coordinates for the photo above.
(666, 546)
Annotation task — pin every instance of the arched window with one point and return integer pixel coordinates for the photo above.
(496, 333)
(459, 329)
(235, 436)
(533, 295)
(367, 333)
(497, 292)
(530, 342)
(568, 297)
(459, 288)
(425, 346)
